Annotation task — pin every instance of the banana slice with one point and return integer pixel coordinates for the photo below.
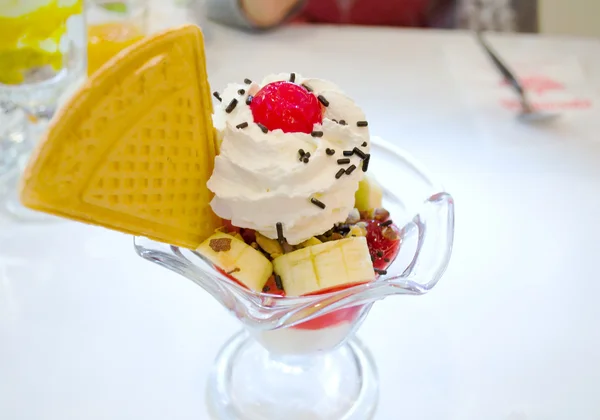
(369, 195)
(310, 242)
(324, 266)
(237, 259)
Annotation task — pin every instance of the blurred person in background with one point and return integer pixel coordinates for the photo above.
(497, 15)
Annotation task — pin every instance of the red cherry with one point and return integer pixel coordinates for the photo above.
(383, 249)
(287, 106)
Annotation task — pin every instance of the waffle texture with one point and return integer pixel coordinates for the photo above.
(133, 149)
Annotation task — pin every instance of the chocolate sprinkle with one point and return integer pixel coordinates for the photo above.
(322, 99)
(266, 289)
(305, 159)
(307, 88)
(387, 222)
(278, 282)
(216, 95)
(263, 128)
(359, 153)
(379, 254)
(307, 154)
(248, 81)
(293, 77)
(365, 165)
(342, 228)
(348, 152)
(362, 123)
(330, 152)
(317, 134)
(350, 169)
(382, 272)
(340, 173)
(364, 144)
(249, 99)
(280, 237)
(301, 153)
(231, 105)
(242, 125)
(334, 120)
(343, 161)
(241, 91)
(317, 203)
(282, 241)
(343, 122)
(386, 259)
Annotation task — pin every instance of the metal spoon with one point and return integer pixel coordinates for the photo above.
(528, 114)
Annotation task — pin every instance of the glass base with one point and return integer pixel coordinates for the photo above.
(248, 383)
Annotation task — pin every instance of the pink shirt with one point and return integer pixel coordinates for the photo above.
(411, 13)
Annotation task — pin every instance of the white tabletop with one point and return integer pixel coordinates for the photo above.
(90, 331)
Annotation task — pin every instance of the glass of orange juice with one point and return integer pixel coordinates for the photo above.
(112, 26)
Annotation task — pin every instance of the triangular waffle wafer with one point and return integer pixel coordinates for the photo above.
(134, 148)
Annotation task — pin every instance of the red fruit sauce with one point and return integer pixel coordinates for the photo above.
(332, 318)
(271, 287)
(287, 106)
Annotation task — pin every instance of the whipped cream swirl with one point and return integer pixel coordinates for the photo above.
(259, 179)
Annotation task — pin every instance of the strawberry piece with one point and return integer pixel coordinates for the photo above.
(383, 242)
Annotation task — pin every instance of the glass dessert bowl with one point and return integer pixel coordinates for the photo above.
(298, 357)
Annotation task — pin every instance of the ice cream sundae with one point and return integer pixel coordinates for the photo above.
(290, 180)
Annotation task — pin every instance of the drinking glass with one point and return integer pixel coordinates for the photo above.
(42, 53)
(297, 357)
(12, 125)
(112, 26)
